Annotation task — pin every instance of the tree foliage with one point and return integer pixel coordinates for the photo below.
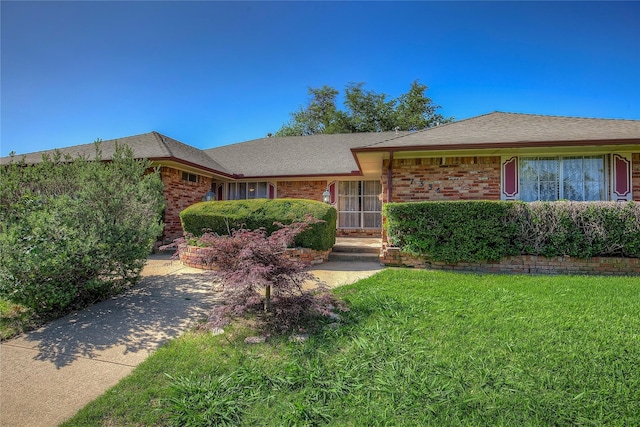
(257, 276)
(73, 231)
(365, 111)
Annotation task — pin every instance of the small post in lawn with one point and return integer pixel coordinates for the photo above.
(267, 299)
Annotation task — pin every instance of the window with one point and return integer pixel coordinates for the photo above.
(190, 177)
(359, 205)
(581, 178)
(248, 190)
(539, 177)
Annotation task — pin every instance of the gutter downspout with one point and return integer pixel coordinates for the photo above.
(389, 177)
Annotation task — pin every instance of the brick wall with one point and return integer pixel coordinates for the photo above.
(452, 178)
(526, 264)
(311, 190)
(193, 256)
(179, 195)
(359, 232)
(635, 164)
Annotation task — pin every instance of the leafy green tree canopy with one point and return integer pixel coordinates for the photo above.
(364, 111)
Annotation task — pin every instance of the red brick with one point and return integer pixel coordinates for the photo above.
(311, 190)
(359, 232)
(179, 195)
(191, 256)
(522, 264)
(463, 178)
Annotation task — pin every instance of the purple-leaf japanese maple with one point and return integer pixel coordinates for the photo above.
(256, 275)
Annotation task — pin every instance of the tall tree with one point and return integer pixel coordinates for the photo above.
(415, 110)
(319, 116)
(368, 111)
(365, 111)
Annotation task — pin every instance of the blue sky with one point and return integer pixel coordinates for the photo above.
(214, 73)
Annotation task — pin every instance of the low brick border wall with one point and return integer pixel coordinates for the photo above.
(190, 256)
(358, 232)
(525, 264)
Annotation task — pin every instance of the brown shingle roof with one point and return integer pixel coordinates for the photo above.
(324, 155)
(152, 145)
(297, 155)
(512, 129)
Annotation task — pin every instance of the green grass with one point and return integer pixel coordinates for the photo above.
(417, 348)
(14, 319)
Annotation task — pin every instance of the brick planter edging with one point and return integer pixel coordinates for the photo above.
(529, 264)
(358, 232)
(191, 256)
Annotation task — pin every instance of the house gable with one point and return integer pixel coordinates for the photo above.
(476, 158)
(440, 158)
(511, 130)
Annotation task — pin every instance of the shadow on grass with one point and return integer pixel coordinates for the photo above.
(124, 329)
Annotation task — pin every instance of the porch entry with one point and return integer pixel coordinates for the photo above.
(359, 204)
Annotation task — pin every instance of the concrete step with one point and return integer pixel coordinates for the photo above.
(354, 257)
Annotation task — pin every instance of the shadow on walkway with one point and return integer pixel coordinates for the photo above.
(157, 309)
(50, 373)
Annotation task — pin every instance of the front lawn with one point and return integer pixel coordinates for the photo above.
(417, 348)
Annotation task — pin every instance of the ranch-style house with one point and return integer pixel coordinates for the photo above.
(495, 156)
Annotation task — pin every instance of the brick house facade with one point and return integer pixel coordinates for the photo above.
(311, 190)
(179, 194)
(452, 178)
(489, 157)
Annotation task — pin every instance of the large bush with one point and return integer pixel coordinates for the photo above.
(222, 217)
(578, 229)
(474, 231)
(451, 231)
(73, 231)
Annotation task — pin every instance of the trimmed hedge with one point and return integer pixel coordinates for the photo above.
(578, 229)
(451, 231)
(223, 216)
(473, 231)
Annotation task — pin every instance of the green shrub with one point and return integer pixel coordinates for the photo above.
(472, 231)
(578, 229)
(223, 216)
(74, 231)
(451, 231)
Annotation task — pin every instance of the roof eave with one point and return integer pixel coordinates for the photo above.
(160, 160)
(311, 175)
(498, 145)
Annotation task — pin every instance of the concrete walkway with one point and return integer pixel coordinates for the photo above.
(47, 375)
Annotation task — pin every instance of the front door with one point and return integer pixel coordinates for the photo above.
(359, 204)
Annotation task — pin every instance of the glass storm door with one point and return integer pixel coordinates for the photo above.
(359, 204)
